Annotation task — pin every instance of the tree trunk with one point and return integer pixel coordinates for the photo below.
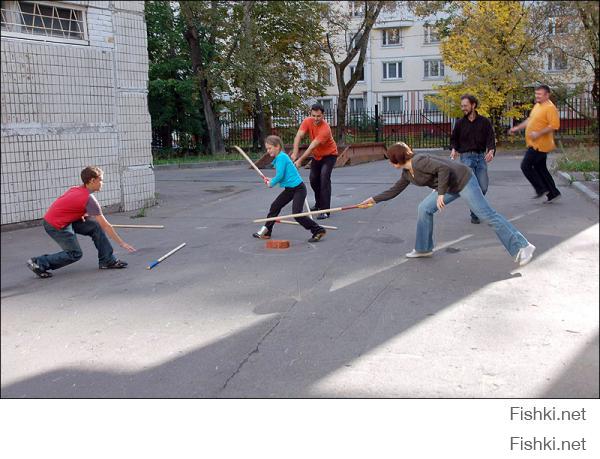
(212, 121)
(341, 119)
(259, 124)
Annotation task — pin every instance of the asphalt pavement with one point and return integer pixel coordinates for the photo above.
(349, 316)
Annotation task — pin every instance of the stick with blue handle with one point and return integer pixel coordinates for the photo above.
(155, 262)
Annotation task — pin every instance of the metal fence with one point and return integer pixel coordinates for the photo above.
(418, 128)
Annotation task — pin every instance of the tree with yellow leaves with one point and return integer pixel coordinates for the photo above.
(490, 46)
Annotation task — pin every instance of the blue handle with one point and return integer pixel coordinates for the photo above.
(153, 264)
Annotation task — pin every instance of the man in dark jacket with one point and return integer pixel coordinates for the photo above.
(473, 138)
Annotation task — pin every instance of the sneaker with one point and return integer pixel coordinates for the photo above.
(323, 216)
(316, 237)
(525, 255)
(553, 197)
(32, 264)
(538, 195)
(313, 208)
(117, 264)
(262, 233)
(475, 220)
(415, 254)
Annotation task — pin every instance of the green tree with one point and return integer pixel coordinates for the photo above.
(210, 34)
(275, 66)
(490, 46)
(173, 102)
(346, 37)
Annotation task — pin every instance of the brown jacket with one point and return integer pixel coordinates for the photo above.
(441, 174)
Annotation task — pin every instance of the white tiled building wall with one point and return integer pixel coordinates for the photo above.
(65, 106)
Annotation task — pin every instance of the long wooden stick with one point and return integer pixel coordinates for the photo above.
(168, 254)
(296, 223)
(313, 212)
(241, 152)
(139, 226)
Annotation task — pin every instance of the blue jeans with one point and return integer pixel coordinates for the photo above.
(476, 161)
(510, 237)
(67, 241)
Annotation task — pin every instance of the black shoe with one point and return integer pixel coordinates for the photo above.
(323, 216)
(538, 195)
(32, 264)
(475, 220)
(318, 235)
(553, 197)
(117, 264)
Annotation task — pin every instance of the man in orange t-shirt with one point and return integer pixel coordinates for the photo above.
(539, 137)
(324, 152)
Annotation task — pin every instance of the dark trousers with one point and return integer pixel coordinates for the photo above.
(67, 240)
(297, 195)
(535, 170)
(320, 180)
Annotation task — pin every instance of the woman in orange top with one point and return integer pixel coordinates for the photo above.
(539, 136)
(324, 152)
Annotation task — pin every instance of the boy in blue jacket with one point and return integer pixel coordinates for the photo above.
(288, 177)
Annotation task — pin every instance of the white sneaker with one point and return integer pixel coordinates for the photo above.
(525, 255)
(415, 254)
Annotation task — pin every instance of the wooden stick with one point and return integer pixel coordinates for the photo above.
(168, 254)
(139, 226)
(308, 208)
(241, 152)
(313, 212)
(296, 223)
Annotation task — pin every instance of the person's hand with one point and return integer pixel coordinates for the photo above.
(265, 180)
(453, 154)
(83, 217)
(489, 156)
(534, 135)
(298, 164)
(368, 202)
(440, 202)
(512, 130)
(128, 247)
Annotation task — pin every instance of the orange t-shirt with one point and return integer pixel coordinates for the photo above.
(542, 116)
(322, 133)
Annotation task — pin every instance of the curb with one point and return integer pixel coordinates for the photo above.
(204, 165)
(580, 187)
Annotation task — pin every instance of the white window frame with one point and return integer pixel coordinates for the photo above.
(428, 31)
(552, 62)
(325, 79)
(384, 42)
(386, 72)
(425, 102)
(356, 9)
(353, 101)
(353, 69)
(324, 101)
(427, 69)
(31, 36)
(385, 101)
(552, 27)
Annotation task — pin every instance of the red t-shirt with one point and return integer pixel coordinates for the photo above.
(71, 206)
(322, 132)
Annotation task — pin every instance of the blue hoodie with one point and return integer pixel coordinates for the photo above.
(286, 173)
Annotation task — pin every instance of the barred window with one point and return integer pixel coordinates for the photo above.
(43, 19)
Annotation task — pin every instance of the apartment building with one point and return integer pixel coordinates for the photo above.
(74, 93)
(402, 65)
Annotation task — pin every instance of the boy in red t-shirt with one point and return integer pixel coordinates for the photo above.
(67, 216)
(324, 152)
